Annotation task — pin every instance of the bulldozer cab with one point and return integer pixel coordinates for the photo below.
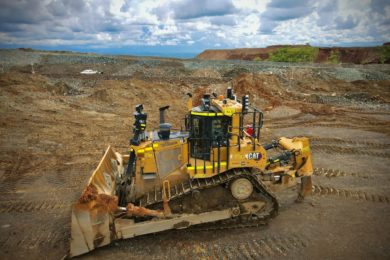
(216, 129)
(206, 132)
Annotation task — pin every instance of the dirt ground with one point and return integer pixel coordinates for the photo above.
(56, 123)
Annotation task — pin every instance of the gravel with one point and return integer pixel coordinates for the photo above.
(156, 67)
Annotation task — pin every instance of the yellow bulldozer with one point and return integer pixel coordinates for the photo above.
(215, 172)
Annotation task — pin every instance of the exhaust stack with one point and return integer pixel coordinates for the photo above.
(165, 128)
(162, 111)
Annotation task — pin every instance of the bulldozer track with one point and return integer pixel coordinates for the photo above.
(337, 173)
(357, 195)
(328, 140)
(156, 196)
(33, 206)
(245, 221)
(347, 150)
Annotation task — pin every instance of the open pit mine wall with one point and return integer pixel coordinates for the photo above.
(304, 53)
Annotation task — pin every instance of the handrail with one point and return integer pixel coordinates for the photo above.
(256, 125)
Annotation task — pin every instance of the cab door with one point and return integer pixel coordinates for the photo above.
(200, 141)
(207, 132)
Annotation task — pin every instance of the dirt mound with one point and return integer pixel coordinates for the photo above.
(265, 89)
(101, 95)
(61, 88)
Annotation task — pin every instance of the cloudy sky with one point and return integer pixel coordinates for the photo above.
(186, 27)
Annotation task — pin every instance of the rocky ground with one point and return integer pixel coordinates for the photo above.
(56, 123)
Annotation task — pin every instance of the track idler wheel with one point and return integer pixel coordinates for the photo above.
(241, 188)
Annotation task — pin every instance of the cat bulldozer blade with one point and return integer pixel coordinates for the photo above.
(215, 172)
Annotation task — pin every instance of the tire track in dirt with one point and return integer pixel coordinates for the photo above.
(23, 170)
(352, 194)
(49, 235)
(317, 123)
(67, 180)
(59, 180)
(8, 185)
(282, 119)
(328, 140)
(347, 150)
(12, 174)
(309, 124)
(66, 194)
(338, 173)
(269, 246)
(273, 246)
(34, 206)
(367, 109)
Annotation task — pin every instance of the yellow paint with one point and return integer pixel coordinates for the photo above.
(228, 111)
(207, 166)
(306, 149)
(189, 103)
(206, 114)
(301, 146)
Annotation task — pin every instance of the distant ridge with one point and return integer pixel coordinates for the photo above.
(304, 53)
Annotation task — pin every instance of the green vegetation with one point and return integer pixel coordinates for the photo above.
(385, 53)
(334, 57)
(257, 59)
(294, 54)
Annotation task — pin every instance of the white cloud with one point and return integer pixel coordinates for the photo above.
(236, 23)
(257, 6)
(221, 34)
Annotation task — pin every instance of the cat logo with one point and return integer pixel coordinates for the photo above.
(253, 156)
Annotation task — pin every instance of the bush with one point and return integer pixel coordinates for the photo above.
(385, 53)
(334, 57)
(294, 54)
